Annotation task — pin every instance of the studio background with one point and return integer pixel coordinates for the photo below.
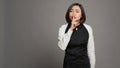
(29, 31)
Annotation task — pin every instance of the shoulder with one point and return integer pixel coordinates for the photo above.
(88, 27)
(62, 27)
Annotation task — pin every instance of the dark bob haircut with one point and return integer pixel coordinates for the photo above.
(82, 19)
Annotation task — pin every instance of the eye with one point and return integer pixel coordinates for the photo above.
(77, 11)
(70, 10)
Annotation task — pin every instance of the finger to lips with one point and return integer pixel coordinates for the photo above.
(73, 19)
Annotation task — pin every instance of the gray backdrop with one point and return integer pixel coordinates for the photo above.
(29, 31)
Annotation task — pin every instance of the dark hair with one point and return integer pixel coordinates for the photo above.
(82, 19)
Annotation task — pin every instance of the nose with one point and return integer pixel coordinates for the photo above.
(74, 14)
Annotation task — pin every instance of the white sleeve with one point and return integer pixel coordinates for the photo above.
(64, 38)
(91, 48)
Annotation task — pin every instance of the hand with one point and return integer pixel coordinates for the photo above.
(73, 23)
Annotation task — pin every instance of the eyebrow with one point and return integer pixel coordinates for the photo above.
(76, 9)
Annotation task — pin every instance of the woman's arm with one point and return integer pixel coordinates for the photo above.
(64, 38)
(91, 48)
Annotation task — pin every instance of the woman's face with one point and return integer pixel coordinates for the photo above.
(76, 13)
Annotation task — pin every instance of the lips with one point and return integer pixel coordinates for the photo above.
(74, 17)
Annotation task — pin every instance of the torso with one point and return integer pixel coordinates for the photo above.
(76, 51)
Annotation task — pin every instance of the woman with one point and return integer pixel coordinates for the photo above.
(76, 38)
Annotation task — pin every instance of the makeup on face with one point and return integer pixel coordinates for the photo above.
(75, 12)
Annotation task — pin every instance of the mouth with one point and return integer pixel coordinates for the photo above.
(74, 17)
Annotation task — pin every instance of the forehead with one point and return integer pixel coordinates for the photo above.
(75, 7)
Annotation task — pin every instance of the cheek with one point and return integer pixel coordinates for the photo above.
(70, 16)
(79, 15)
